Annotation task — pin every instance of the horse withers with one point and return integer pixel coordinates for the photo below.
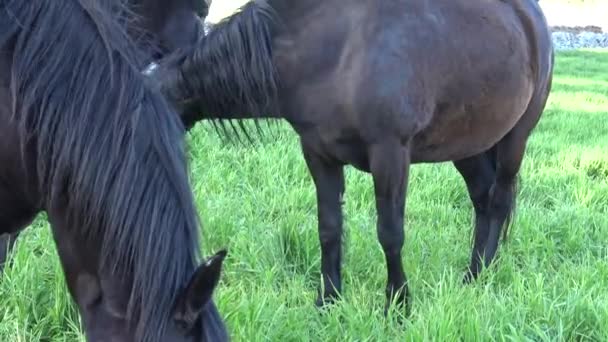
(381, 85)
(83, 138)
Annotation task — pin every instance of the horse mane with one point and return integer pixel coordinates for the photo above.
(108, 149)
(230, 70)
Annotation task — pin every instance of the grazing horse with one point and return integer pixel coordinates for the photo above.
(160, 27)
(166, 26)
(83, 138)
(381, 85)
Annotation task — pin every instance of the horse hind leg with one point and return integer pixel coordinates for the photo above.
(479, 173)
(501, 202)
(389, 165)
(506, 157)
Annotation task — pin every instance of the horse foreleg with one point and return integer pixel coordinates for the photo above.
(329, 182)
(389, 165)
(479, 174)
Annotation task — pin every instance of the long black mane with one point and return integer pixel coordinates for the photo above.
(231, 68)
(108, 149)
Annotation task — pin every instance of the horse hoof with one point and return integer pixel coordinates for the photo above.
(399, 304)
(327, 301)
(400, 311)
(469, 277)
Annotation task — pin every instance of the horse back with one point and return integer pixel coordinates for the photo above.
(433, 44)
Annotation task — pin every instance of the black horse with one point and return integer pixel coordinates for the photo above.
(85, 140)
(381, 85)
(168, 26)
(159, 28)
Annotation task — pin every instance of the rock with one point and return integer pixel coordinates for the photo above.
(586, 39)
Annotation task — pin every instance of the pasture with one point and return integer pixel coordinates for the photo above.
(548, 284)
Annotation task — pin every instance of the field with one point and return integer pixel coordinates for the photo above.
(548, 285)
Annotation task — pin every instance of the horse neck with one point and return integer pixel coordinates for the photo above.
(230, 73)
(163, 27)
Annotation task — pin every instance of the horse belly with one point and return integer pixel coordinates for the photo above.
(464, 130)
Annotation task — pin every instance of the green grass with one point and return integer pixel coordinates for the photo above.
(548, 285)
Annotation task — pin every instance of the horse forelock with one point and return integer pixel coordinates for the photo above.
(108, 149)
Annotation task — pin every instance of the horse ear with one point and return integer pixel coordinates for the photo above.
(208, 2)
(195, 296)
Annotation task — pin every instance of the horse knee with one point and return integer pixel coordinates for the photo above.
(329, 239)
(391, 237)
(330, 231)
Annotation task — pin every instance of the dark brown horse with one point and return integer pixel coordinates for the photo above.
(160, 27)
(381, 85)
(85, 140)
